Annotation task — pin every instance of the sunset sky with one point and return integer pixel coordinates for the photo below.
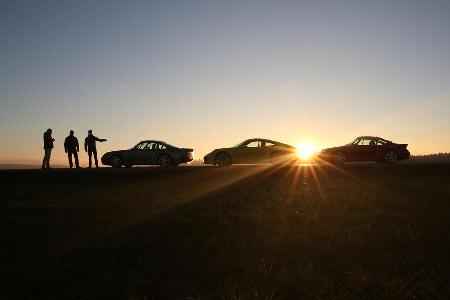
(209, 74)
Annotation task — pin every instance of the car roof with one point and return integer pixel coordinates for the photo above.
(153, 141)
(372, 137)
(261, 139)
(267, 140)
(368, 137)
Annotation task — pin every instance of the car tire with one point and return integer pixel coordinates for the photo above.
(128, 165)
(223, 159)
(116, 161)
(339, 158)
(164, 161)
(390, 157)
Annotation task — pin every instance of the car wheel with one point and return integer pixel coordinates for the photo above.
(164, 161)
(129, 165)
(223, 159)
(339, 158)
(116, 161)
(390, 156)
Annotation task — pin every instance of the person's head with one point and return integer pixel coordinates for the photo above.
(90, 131)
(72, 132)
(49, 130)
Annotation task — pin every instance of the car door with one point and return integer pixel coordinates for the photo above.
(366, 150)
(150, 155)
(254, 152)
(246, 153)
(374, 150)
(355, 151)
(268, 149)
(134, 155)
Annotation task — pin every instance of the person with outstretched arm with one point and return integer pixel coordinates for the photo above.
(91, 148)
(48, 146)
(71, 147)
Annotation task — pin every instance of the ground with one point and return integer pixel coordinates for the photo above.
(245, 232)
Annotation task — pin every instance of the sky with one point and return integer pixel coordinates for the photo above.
(209, 74)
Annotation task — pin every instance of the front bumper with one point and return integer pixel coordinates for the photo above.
(208, 159)
(106, 160)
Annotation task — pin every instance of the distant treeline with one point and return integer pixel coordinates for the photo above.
(438, 157)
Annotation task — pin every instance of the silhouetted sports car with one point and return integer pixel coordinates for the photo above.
(366, 148)
(148, 153)
(251, 151)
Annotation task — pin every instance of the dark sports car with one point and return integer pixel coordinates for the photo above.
(148, 153)
(366, 148)
(251, 151)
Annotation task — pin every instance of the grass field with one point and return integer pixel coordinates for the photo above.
(245, 232)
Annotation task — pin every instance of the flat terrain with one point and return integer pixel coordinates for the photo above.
(245, 232)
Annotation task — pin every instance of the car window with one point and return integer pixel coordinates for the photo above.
(149, 146)
(254, 144)
(365, 142)
(159, 146)
(381, 142)
(269, 144)
(141, 145)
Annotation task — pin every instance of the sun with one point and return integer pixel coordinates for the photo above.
(305, 151)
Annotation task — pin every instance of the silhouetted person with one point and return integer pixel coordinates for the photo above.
(48, 146)
(90, 147)
(71, 147)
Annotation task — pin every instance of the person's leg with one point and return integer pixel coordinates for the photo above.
(90, 158)
(75, 154)
(44, 160)
(95, 157)
(48, 153)
(69, 154)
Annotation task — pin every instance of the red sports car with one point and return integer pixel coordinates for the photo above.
(366, 148)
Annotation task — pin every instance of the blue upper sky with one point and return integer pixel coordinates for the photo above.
(206, 74)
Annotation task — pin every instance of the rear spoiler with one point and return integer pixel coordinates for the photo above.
(403, 145)
(187, 149)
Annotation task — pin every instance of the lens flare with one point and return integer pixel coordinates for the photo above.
(306, 151)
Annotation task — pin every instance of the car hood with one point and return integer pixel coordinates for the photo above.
(218, 150)
(331, 149)
(114, 152)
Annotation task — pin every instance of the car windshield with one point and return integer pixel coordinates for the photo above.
(352, 142)
(140, 145)
(240, 144)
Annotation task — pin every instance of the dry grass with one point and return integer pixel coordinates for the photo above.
(364, 232)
